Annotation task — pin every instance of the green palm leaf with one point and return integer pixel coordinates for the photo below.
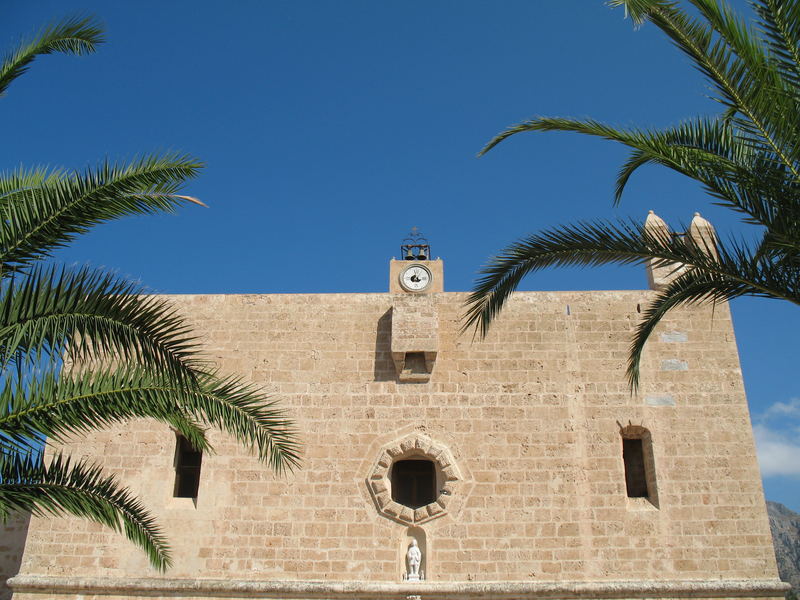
(748, 159)
(242, 410)
(21, 181)
(705, 150)
(81, 349)
(599, 243)
(780, 22)
(73, 36)
(737, 66)
(58, 488)
(56, 406)
(85, 315)
(693, 287)
(49, 216)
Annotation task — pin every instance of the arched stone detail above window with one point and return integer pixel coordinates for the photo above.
(448, 479)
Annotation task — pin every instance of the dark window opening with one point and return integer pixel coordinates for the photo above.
(415, 363)
(413, 482)
(187, 469)
(635, 475)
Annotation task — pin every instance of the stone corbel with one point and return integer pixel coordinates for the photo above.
(415, 337)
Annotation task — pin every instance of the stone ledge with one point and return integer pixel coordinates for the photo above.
(316, 590)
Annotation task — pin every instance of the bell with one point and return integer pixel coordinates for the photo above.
(409, 253)
(423, 254)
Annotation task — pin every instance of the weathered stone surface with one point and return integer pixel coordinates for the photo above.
(673, 336)
(655, 400)
(674, 364)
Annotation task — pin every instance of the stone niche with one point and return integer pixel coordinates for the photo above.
(449, 489)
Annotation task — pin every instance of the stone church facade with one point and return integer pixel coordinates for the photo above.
(438, 466)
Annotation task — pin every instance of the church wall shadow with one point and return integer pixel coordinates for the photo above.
(384, 366)
(13, 535)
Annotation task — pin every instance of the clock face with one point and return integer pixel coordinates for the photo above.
(415, 278)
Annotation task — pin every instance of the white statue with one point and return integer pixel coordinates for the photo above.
(414, 558)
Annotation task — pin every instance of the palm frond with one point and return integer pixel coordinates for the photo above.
(49, 216)
(584, 244)
(243, 410)
(599, 243)
(779, 21)
(694, 286)
(58, 405)
(72, 36)
(640, 10)
(22, 180)
(636, 160)
(707, 150)
(58, 488)
(85, 315)
(733, 60)
(747, 159)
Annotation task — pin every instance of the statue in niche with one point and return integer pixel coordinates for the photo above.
(414, 559)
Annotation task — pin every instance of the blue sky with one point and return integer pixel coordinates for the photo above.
(329, 129)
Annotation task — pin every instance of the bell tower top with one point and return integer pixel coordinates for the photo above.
(416, 272)
(415, 246)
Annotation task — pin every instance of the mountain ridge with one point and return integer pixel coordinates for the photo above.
(785, 526)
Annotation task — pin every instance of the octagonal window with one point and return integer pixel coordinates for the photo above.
(414, 480)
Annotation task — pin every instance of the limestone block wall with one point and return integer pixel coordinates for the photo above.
(531, 417)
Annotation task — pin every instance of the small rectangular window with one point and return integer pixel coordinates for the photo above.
(635, 474)
(187, 469)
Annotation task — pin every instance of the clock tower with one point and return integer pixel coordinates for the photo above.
(415, 285)
(416, 273)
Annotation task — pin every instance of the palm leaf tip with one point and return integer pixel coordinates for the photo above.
(77, 35)
(244, 411)
(637, 10)
(192, 199)
(57, 488)
(503, 135)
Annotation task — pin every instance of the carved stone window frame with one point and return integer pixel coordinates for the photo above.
(448, 479)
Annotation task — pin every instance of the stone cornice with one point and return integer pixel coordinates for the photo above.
(317, 590)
